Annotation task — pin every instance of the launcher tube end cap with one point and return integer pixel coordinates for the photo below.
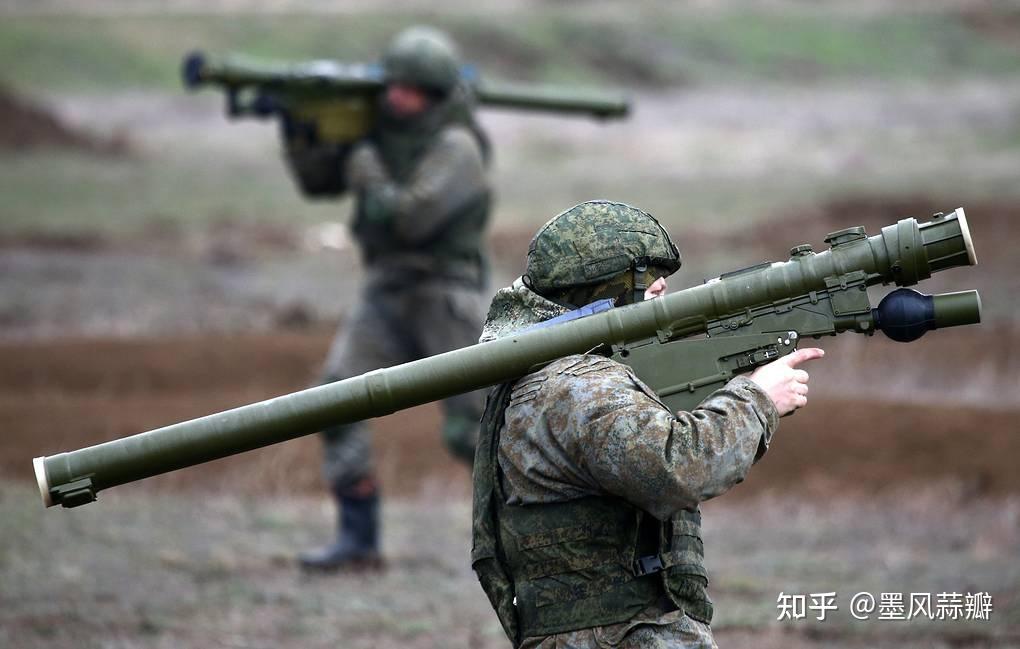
(40, 477)
(965, 231)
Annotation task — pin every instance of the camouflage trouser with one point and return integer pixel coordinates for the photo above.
(393, 325)
(673, 630)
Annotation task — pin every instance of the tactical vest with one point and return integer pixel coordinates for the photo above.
(589, 562)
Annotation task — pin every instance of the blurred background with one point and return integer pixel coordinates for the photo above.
(157, 264)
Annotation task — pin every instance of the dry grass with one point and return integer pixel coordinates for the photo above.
(172, 570)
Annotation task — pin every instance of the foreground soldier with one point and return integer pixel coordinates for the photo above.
(586, 520)
(422, 201)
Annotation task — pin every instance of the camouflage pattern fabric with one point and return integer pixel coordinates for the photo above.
(649, 630)
(601, 431)
(593, 242)
(392, 325)
(517, 307)
(420, 215)
(589, 426)
(432, 222)
(449, 176)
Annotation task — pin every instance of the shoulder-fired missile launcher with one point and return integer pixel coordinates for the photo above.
(684, 345)
(325, 106)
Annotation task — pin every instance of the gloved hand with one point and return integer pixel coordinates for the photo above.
(364, 167)
(378, 204)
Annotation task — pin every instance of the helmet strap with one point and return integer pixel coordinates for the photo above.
(640, 270)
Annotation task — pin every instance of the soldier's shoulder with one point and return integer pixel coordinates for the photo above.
(582, 364)
(458, 137)
(566, 376)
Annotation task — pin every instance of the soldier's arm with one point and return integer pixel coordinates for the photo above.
(635, 448)
(364, 168)
(448, 177)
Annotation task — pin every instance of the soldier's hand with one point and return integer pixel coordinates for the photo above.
(364, 168)
(786, 385)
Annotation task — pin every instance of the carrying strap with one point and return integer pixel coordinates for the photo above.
(640, 268)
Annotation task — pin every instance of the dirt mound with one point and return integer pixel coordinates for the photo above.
(26, 125)
(1002, 25)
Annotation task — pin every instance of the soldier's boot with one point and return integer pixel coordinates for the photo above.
(357, 544)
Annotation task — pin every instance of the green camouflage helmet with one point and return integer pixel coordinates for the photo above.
(594, 242)
(422, 56)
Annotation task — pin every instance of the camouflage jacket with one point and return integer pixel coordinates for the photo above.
(590, 427)
(429, 220)
(601, 431)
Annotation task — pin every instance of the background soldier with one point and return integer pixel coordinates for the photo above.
(422, 201)
(587, 527)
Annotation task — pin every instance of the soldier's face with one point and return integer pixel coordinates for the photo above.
(657, 289)
(406, 101)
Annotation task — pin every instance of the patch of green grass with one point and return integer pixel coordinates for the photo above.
(642, 48)
(184, 180)
(54, 191)
(94, 53)
(54, 52)
(69, 192)
(814, 45)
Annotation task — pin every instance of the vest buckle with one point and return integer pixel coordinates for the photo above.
(647, 565)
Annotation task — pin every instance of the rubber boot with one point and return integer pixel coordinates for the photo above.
(357, 544)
